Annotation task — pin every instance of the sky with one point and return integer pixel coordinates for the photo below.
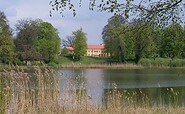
(91, 22)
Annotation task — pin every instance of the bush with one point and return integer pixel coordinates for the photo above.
(177, 63)
(162, 62)
(18, 62)
(145, 62)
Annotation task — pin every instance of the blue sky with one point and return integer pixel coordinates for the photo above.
(91, 22)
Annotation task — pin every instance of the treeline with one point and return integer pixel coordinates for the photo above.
(138, 39)
(35, 40)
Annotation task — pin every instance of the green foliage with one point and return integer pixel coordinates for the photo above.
(80, 44)
(128, 41)
(158, 62)
(162, 62)
(6, 41)
(65, 59)
(48, 43)
(116, 39)
(143, 39)
(37, 40)
(84, 60)
(173, 40)
(177, 63)
(26, 38)
(17, 61)
(139, 39)
(93, 60)
(64, 52)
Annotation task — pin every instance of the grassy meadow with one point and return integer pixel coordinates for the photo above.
(37, 90)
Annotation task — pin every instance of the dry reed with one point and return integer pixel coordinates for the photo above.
(40, 92)
(104, 65)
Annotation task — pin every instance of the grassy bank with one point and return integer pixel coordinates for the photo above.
(104, 62)
(40, 92)
(93, 62)
(107, 63)
(83, 60)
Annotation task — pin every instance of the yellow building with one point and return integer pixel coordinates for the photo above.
(96, 50)
(92, 50)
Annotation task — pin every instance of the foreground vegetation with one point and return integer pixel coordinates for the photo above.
(38, 90)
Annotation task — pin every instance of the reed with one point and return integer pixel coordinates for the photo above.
(40, 92)
(102, 65)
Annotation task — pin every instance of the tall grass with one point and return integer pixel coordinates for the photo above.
(38, 91)
(101, 65)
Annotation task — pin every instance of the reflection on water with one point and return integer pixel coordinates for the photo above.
(160, 85)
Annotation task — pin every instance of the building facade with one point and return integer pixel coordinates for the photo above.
(92, 50)
(96, 50)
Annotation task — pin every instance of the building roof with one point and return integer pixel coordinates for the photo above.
(69, 48)
(101, 46)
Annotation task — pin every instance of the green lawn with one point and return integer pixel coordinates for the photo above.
(83, 60)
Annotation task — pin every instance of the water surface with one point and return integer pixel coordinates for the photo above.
(156, 84)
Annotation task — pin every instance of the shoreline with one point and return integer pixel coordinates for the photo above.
(93, 66)
(113, 66)
(104, 66)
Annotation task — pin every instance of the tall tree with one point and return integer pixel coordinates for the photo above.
(26, 39)
(6, 40)
(37, 40)
(142, 36)
(48, 43)
(116, 38)
(80, 43)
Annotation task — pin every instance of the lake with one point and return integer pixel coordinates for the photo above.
(162, 86)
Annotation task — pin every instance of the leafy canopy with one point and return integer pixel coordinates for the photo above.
(48, 43)
(37, 40)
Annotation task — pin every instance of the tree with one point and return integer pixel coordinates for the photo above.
(80, 44)
(64, 52)
(26, 39)
(142, 36)
(48, 43)
(155, 48)
(173, 40)
(6, 40)
(159, 11)
(116, 38)
(37, 40)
